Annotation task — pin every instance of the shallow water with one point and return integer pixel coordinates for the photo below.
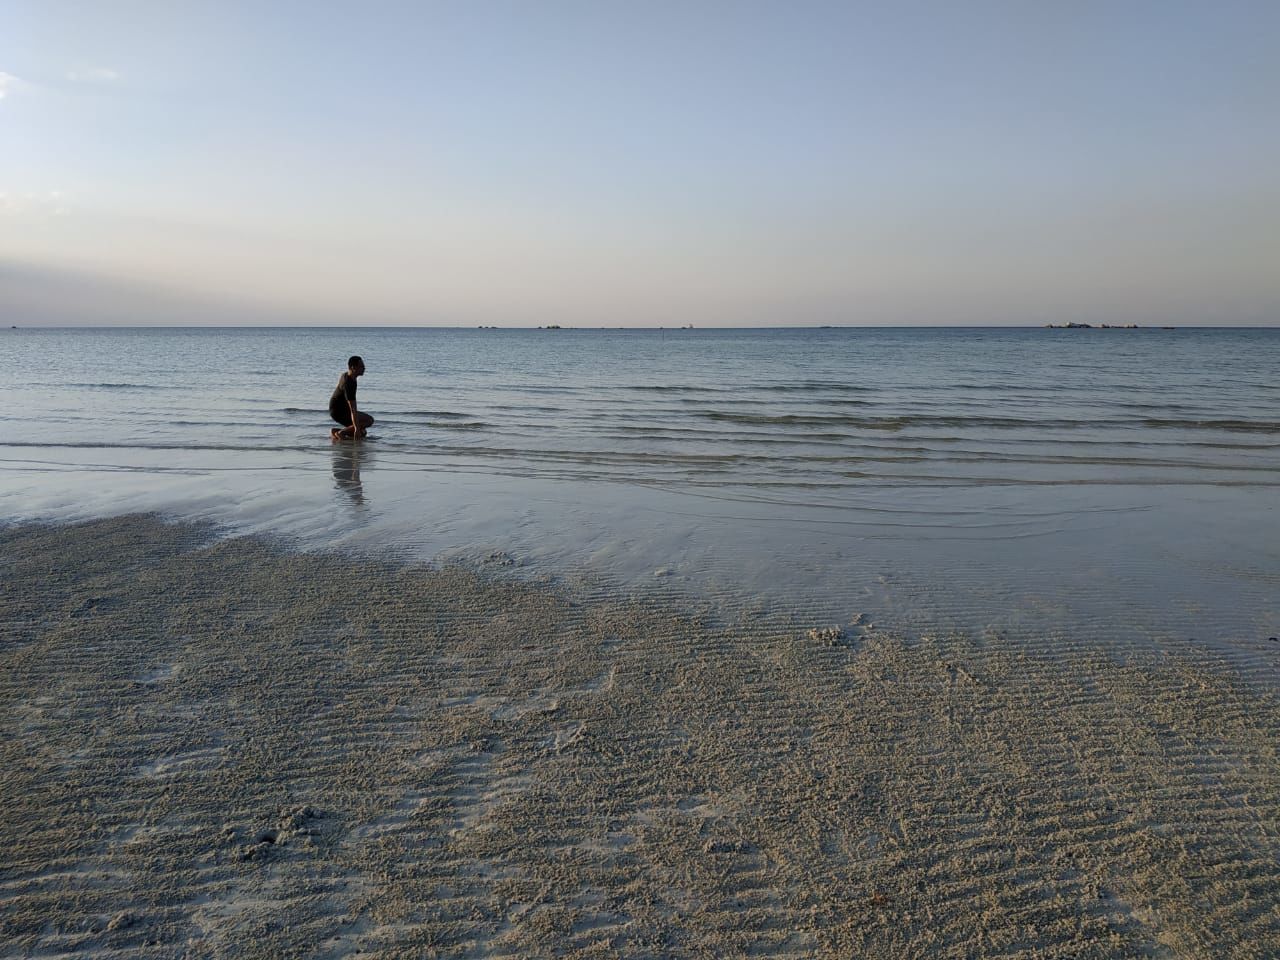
(1119, 482)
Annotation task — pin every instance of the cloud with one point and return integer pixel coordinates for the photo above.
(94, 75)
(51, 295)
(8, 82)
(49, 203)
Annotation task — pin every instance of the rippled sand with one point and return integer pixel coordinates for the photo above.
(224, 749)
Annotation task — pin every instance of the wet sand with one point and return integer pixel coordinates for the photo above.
(218, 748)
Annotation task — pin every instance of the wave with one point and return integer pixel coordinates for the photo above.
(123, 386)
(445, 425)
(802, 402)
(798, 386)
(817, 386)
(1017, 423)
(525, 408)
(428, 413)
(1233, 426)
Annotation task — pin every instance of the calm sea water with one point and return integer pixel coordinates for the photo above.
(973, 476)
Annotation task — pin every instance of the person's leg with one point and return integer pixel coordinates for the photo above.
(344, 418)
(366, 422)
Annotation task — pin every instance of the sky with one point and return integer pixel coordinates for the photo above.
(647, 163)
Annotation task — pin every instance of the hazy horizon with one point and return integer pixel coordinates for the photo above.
(658, 165)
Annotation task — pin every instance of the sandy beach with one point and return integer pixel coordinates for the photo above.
(220, 748)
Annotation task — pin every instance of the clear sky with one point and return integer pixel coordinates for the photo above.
(641, 163)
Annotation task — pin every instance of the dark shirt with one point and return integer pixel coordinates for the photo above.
(344, 394)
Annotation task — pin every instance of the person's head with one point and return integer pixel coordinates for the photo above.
(356, 366)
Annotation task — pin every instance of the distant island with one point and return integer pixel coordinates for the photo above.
(1090, 326)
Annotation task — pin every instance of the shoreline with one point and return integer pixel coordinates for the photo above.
(223, 748)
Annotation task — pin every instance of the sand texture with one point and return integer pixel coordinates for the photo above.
(221, 749)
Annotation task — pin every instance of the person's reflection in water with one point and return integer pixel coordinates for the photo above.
(347, 458)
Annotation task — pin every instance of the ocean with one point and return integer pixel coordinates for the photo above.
(1118, 483)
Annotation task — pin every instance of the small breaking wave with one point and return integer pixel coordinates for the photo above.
(123, 386)
(798, 386)
(939, 420)
(450, 414)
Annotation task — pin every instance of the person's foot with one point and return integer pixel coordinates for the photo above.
(334, 434)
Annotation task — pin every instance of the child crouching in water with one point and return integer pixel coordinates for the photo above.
(342, 405)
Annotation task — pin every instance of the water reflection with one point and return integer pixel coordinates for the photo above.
(348, 457)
